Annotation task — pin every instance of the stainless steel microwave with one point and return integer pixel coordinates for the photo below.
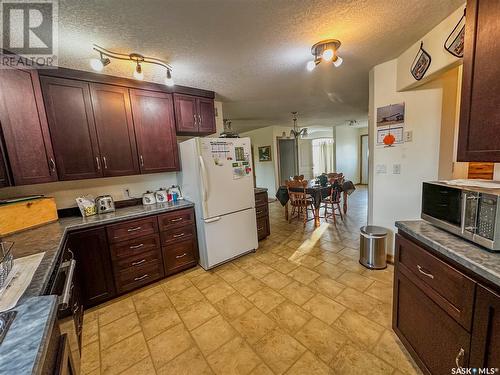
(466, 208)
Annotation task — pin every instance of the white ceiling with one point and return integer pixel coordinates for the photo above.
(252, 53)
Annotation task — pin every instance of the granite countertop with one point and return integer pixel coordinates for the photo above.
(258, 190)
(24, 347)
(473, 257)
(50, 238)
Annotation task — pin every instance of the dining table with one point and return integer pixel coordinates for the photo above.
(317, 192)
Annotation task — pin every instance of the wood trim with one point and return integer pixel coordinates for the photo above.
(361, 158)
(126, 82)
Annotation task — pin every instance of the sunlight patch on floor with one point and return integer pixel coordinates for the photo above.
(309, 243)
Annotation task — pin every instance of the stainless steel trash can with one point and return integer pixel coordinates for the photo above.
(372, 247)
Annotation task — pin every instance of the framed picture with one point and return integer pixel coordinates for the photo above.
(391, 114)
(265, 153)
(421, 63)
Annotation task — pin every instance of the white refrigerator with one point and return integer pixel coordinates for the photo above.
(216, 174)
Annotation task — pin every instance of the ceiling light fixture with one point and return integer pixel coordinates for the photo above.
(106, 55)
(326, 51)
(296, 132)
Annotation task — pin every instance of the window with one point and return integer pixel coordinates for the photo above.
(322, 156)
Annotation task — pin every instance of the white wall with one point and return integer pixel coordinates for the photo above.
(348, 151)
(65, 192)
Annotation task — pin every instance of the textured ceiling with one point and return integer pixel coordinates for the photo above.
(252, 53)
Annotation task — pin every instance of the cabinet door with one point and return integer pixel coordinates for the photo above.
(479, 136)
(115, 129)
(485, 346)
(206, 116)
(154, 125)
(24, 126)
(93, 265)
(4, 169)
(72, 128)
(186, 114)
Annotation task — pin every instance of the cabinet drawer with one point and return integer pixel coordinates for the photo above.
(262, 227)
(176, 219)
(137, 260)
(135, 247)
(180, 255)
(433, 338)
(261, 211)
(261, 199)
(448, 287)
(134, 277)
(177, 234)
(132, 229)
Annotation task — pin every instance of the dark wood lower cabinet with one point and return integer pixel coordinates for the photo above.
(434, 301)
(262, 215)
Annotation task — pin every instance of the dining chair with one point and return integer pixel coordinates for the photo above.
(298, 178)
(299, 200)
(332, 201)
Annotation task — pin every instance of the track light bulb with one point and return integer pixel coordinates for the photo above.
(97, 65)
(327, 54)
(138, 74)
(311, 65)
(338, 61)
(169, 81)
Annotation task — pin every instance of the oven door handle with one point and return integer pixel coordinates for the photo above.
(66, 294)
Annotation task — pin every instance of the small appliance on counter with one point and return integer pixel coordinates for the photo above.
(175, 192)
(148, 198)
(161, 195)
(466, 208)
(104, 204)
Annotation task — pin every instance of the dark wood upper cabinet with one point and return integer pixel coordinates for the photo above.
(479, 135)
(194, 115)
(154, 125)
(485, 345)
(24, 127)
(186, 114)
(206, 116)
(72, 128)
(115, 129)
(94, 268)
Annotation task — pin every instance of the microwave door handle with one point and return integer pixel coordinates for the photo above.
(464, 210)
(66, 294)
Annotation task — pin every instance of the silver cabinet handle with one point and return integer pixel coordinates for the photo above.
(259, 212)
(195, 122)
(176, 220)
(421, 270)
(105, 162)
(459, 356)
(142, 160)
(134, 229)
(199, 120)
(68, 284)
(98, 163)
(138, 262)
(136, 246)
(52, 164)
(141, 278)
(72, 255)
(178, 235)
(181, 256)
(261, 228)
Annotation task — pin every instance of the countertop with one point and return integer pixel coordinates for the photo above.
(482, 262)
(258, 190)
(50, 238)
(24, 347)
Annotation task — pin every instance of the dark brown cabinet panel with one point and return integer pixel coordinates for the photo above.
(186, 113)
(72, 128)
(4, 169)
(93, 262)
(115, 129)
(206, 116)
(24, 126)
(479, 135)
(154, 124)
(485, 347)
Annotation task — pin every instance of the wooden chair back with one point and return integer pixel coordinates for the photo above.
(298, 178)
(298, 196)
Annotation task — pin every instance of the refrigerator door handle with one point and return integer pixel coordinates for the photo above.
(217, 218)
(204, 179)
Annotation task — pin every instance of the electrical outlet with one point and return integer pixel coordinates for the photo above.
(408, 135)
(126, 193)
(381, 169)
(396, 169)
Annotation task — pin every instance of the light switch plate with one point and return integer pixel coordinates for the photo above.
(381, 169)
(408, 135)
(396, 169)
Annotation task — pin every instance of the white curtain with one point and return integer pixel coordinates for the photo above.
(322, 156)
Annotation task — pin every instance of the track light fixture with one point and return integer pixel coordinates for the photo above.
(326, 51)
(106, 56)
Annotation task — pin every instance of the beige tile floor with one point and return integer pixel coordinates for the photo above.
(301, 304)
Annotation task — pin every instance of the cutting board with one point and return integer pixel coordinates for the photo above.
(18, 216)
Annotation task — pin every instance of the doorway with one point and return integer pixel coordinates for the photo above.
(364, 159)
(287, 160)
